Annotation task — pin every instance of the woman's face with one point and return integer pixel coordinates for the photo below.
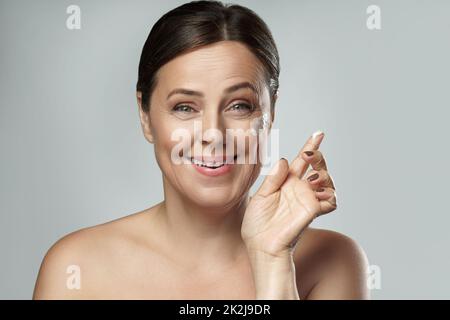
(201, 97)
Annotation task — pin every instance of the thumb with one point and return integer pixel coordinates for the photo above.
(275, 179)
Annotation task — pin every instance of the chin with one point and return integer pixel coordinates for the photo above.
(212, 197)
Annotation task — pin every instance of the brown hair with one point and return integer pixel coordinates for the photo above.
(200, 23)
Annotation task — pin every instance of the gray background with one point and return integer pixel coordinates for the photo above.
(73, 155)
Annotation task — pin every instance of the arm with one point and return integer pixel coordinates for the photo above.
(274, 276)
(331, 264)
(278, 213)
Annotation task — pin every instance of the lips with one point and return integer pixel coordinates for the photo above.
(212, 162)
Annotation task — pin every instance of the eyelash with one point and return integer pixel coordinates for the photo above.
(181, 105)
(250, 107)
(177, 107)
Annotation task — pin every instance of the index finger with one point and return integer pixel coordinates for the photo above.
(299, 166)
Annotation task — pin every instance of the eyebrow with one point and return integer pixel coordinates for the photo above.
(235, 87)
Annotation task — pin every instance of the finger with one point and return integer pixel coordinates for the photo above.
(315, 159)
(275, 179)
(299, 165)
(306, 197)
(319, 178)
(327, 199)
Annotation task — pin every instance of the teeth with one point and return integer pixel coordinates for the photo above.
(206, 164)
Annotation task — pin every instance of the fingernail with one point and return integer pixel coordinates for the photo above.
(309, 153)
(320, 190)
(317, 133)
(313, 177)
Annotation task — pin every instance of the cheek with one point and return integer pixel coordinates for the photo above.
(247, 138)
(246, 176)
(169, 138)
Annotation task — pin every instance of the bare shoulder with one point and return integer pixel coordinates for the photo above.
(331, 241)
(331, 265)
(67, 256)
(84, 259)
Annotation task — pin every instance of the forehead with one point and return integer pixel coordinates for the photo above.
(212, 67)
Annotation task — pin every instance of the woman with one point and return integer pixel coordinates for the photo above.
(216, 66)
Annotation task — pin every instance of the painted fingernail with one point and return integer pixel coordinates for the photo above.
(313, 177)
(309, 153)
(320, 190)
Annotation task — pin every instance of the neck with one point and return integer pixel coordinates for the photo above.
(198, 232)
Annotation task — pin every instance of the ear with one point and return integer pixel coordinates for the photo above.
(145, 119)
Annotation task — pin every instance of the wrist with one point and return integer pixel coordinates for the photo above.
(268, 251)
(274, 275)
(264, 254)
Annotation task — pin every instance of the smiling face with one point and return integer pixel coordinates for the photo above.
(206, 94)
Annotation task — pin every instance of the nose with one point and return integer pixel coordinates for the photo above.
(212, 127)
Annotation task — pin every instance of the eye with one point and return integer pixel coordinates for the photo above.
(241, 108)
(183, 108)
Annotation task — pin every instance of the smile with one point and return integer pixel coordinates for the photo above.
(212, 163)
(212, 167)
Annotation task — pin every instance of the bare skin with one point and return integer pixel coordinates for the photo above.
(208, 239)
(126, 259)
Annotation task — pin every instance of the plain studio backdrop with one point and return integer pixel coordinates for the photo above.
(73, 154)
